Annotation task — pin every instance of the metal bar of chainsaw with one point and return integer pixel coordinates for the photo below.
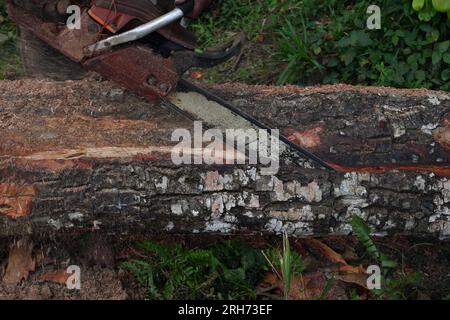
(144, 29)
(189, 86)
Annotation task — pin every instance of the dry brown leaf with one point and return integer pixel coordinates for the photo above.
(345, 246)
(20, 262)
(349, 254)
(354, 278)
(57, 276)
(307, 287)
(350, 269)
(322, 250)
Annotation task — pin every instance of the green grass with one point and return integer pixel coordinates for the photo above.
(10, 64)
(285, 264)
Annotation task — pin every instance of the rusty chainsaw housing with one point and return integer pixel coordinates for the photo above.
(151, 67)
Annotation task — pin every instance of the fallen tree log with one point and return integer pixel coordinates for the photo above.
(81, 156)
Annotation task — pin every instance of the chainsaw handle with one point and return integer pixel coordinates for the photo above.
(187, 6)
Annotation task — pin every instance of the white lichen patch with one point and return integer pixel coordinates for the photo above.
(353, 196)
(253, 201)
(420, 183)
(55, 223)
(218, 226)
(213, 181)
(77, 216)
(169, 226)
(242, 177)
(410, 224)
(355, 202)
(302, 214)
(434, 101)
(96, 224)
(291, 228)
(442, 199)
(428, 129)
(176, 209)
(389, 225)
(162, 184)
(311, 192)
(398, 129)
(350, 186)
(218, 204)
(293, 189)
(343, 228)
(252, 173)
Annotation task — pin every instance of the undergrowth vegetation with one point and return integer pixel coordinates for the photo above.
(232, 269)
(10, 65)
(327, 41)
(228, 270)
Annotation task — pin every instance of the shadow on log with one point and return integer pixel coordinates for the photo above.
(82, 156)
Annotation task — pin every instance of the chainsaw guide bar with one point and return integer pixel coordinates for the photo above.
(192, 111)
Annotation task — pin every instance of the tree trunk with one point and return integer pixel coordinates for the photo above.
(81, 156)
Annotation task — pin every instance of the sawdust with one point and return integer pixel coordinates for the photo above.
(78, 115)
(291, 89)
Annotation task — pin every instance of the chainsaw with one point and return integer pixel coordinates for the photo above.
(143, 45)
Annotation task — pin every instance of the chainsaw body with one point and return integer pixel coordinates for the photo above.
(150, 66)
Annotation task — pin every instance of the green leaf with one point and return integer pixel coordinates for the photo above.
(418, 4)
(348, 57)
(443, 46)
(427, 12)
(3, 38)
(395, 40)
(441, 5)
(433, 36)
(386, 262)
(446, 57)
(420, 75)
(445, 75)
(333, 62)
(362, 231)
(436, 57)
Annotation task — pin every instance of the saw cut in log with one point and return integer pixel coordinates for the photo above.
(83, 156)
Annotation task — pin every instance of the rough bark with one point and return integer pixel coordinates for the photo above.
(80, 156)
